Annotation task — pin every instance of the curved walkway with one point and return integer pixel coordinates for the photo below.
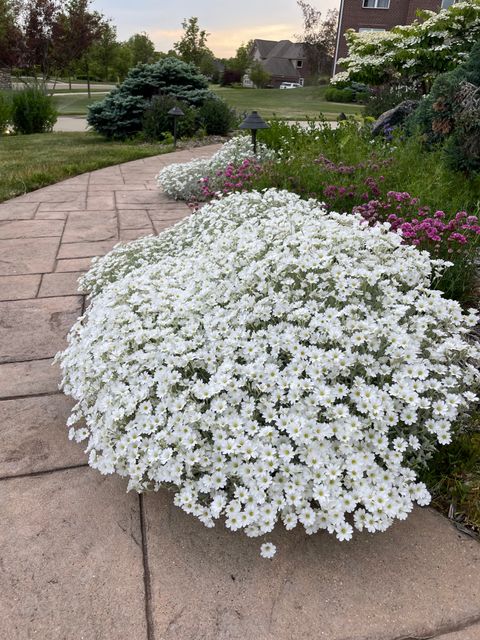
(81, 559)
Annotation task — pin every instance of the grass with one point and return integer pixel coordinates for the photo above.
(71, 105)
(33, 161)
(289, 104)
(293, 104)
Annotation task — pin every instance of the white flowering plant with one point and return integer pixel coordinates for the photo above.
(269, 361)
(185, 181)
(432, 44)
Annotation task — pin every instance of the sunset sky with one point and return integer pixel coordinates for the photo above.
(229, 22)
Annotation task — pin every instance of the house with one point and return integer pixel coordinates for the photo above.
(378, 15)
(284, 60)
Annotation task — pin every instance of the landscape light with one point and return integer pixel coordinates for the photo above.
(176, 112)
(254, 122)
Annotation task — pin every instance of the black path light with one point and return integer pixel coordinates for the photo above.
(176, 112)
(254, 122)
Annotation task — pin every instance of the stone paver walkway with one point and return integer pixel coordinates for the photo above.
(82, 559)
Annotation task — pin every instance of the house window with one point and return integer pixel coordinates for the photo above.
(447, 3)
(370, 29)
(299, 64)
(376, 4)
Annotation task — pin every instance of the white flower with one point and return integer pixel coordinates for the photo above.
(268, 550)
(222, 359)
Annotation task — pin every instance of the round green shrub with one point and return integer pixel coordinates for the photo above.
(157, 122)
(339, 95)
(120, 115)
(32, 112)
(216, 117)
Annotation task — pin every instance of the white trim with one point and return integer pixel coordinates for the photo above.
(340, 21)
(376, 5)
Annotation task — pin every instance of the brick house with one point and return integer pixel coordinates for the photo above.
(285, 61)
(378, 15)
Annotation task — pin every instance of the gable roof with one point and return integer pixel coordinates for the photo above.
(287, 49)
(264, 47)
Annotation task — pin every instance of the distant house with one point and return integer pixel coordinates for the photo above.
(378, 15)
(285, 61)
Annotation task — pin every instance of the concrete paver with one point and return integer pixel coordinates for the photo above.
(469, 633)
(29, 378)
(34, 435)
(59, 284)
(82, 560)
(27, 255)
(212, 583)
(71, 559)
(34, 329)
(19, 287)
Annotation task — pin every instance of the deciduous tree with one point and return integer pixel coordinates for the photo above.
(192, 47)
(318, 36)
(142, 48)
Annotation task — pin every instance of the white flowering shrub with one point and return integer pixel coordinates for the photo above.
(275, 363)
(183, 181)
(435, 43)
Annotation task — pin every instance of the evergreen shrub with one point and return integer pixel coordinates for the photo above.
(121, 114)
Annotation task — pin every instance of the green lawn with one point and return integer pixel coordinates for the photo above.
(30, 162)
(288, 104)
(71, 105)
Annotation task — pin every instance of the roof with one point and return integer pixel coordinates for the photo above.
(265, 46)
(280, 67)
(287, 49)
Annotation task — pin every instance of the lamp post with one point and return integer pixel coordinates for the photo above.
(176, 112)
(254, 122)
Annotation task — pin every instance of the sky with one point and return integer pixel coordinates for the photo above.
(229, 22)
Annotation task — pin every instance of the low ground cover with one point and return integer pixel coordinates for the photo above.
(271, 362)
(35, 161)
(400, 182)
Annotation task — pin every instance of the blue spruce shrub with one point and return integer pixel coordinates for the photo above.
(121, 114)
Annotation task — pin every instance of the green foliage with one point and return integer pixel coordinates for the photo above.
(142, 49)
(157, 122)
(453, 477)
(216, 117)
(242, 59)
(431, 45)
(32, 112)
(120, 114)
(403, 166)
(450, 115)
(5, 111)
(258, 75)
(192, 47)
(339, 95)
(385, 98)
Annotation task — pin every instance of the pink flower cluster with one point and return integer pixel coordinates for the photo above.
(232, 178)
(419, 225)
(332, 192)
(371, 164)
